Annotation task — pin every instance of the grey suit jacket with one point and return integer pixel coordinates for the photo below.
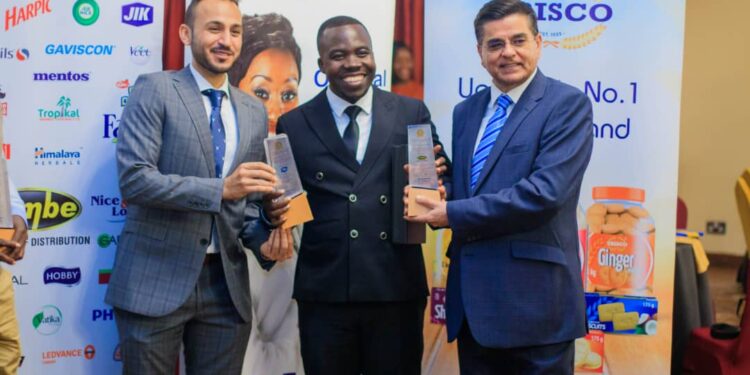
(166, 172)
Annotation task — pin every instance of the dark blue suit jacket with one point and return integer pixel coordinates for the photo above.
(515, 271)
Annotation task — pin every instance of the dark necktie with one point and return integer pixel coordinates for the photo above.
(351, 134)
(217, 128)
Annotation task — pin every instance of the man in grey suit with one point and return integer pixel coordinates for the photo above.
(191, 169)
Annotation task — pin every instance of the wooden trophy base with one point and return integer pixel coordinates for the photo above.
(299, 211)
(7, 233)
(416, 209)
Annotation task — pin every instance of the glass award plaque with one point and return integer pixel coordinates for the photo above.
(280, 157)
(423, 178)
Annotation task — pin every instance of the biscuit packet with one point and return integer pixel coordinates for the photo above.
(622, 314)
(589, 353)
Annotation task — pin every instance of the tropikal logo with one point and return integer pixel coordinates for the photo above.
(86, 12)
(64, 112)
(47, 321)
(572, 25)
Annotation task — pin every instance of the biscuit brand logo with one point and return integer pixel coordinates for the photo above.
(47, 321)
(86, 12)
(64, 276)
(62, 76)
(137, 14)
(79, 49)
(573, 25)
(63, 113)
(18, 14)
(59, 157)
(6, 151)
(47, 209)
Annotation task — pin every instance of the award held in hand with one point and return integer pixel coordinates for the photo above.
(423, 178)
(279, 155)
(6, 218)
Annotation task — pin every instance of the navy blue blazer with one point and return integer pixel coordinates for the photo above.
(515, 271)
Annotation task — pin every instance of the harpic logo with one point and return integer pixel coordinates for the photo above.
(20, 54)
(45, 158)
(62, 76)
(137, 14)
(65, 276)
(47, 321)
(52, 356)
(47, 209)
(140, 54)
(80, 49)
(18, 14)
(6, 151)
(64, 112)
(573, 25)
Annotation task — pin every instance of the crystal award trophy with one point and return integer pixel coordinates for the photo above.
(6, 217)
(423, 178)
(279, 155)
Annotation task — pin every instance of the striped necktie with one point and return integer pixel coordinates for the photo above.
(494, 126)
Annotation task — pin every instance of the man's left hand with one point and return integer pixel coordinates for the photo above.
(275, 205)
(436, 216)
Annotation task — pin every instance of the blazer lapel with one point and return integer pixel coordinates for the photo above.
(242, 109)
(320, 119)
(383, 122)
(188, 92)
(473, 122)
(530, 98)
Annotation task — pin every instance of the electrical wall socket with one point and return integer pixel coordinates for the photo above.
(716, 227)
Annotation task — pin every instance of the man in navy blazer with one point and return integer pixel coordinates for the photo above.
(515, 298)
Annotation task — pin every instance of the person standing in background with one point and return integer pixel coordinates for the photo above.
(404, 83)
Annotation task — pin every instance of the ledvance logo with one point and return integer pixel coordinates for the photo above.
(20, 54)
(63, 112)
(48, 320)
(44, 157)
(80, 49)
(18, 14)
(572, 25)
(137, 14)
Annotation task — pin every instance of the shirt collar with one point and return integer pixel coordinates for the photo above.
(339, 105)
(204, 85)
(514, 93)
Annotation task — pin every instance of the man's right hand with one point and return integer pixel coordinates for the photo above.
(248, 178)
(6, 249)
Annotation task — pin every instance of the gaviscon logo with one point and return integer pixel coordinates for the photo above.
(79, 49)
(18, 14)
(47, 209)
(572, 25)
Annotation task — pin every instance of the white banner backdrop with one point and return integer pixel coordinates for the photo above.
(627, 57)
(67, 67)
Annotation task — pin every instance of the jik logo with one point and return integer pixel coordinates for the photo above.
(572, 25)
(47, 321)
(18, 14)
(86, 12)
(64, 112)
(61, 157)
(137, 14)
(65, 276)
(47, 209)
(111, 127)
(20, 54)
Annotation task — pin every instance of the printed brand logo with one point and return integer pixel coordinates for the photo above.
(18, 14)
(18, 280)
(47, 209)
(62, 76)
(86, 12)
(63, 113)
(79, 49)
(105, 240)
(50, 357)
(117, 207)
(125, 85)
(89, 352)
(111, 126)
(137, 14)
(573, 25)
(43, 157)
(65, 276)
(6, 151)
(139, 54)
(102, 315)
(20, 54)
(47, 321)
(60, 241)
(104, 275)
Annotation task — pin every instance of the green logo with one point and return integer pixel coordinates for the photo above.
(104, 240)
(48, 321)
(86, 12)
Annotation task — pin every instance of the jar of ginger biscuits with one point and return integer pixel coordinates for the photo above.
(621, 234)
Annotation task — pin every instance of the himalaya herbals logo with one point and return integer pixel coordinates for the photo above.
(58, 157)
(572, 25)
(47, 321)
(63, 112)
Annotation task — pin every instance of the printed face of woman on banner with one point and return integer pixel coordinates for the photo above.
(269, 64)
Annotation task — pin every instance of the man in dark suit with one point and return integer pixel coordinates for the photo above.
(515, 300)
(190, 161)
(361, 296)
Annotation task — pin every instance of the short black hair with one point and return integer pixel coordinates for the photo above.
(262, 32)
(498, 9)
(336, 22)
(189, 12)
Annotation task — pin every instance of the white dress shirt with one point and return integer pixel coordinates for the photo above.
(364, 118)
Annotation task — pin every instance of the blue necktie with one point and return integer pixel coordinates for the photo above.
(494, 126)
(217, 128)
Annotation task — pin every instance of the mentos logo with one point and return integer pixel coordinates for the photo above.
(62, 76)
(48, 320)
(80, 49)
(137, 14)
(63, 276)
(18, 14)
(572, 25)
(47, 209)
(60, 157)
(139, 54)
(20, 54)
